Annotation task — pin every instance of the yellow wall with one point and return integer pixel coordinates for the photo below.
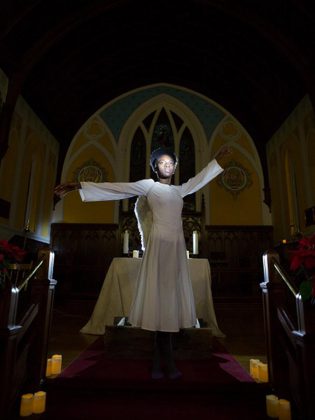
(244, 208)
(74, 210)
(241, 209)
(94, 141)
(8, 166)
(291, 162)
(32, 149)
(34, 146)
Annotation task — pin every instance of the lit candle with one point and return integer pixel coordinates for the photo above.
(253, 368)
(195, 242)
(56, 362)
(272, 406)
(284, 241)
(135, 253)
(27, 226)
(39, 402)
(284, 410)
(26, 406)
(263, 372)
(48, 368)
(126, 242)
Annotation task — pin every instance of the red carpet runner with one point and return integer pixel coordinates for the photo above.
(96, 386)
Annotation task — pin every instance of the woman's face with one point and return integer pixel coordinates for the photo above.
(165, 166)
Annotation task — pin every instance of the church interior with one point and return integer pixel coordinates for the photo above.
(87, 91)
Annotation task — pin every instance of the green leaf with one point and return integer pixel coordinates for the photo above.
(306, 290)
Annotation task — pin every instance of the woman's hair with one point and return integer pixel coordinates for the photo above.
(157, 153)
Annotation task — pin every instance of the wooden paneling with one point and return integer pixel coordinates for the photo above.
(235, 256)
(83, 253)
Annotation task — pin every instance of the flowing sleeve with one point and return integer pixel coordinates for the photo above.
(106, 191)
(201, 179)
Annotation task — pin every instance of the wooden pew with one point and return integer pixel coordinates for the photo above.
(290, 336)
(26, 304)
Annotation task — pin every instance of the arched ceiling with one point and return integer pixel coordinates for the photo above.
(68, 58)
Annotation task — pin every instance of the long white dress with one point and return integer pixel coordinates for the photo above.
(163, 299)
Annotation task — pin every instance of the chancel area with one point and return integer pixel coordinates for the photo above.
(88, 92)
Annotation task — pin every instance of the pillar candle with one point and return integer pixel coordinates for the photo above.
(195, 242)
(284, 410)
(253, 368)
(51, 265)
(272, 406)
(135, 254)
(39, 402)
(187, 253)
(26, 406)
(126, 242)
(56, 362)
(263, 372)
(48, 368)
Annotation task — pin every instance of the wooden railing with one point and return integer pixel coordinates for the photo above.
(25, 315)
(290, 337)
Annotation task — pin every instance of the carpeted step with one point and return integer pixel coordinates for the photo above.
(111, 380)
(103, 369)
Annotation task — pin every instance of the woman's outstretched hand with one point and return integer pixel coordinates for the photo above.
(222, 153)
(62, 189)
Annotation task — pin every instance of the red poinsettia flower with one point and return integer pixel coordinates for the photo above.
(304, 255)
(4, 244)
(10, 253)
(303, 263)
(17, 253)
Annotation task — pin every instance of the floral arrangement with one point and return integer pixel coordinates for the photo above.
(9, 254)
(302, 263)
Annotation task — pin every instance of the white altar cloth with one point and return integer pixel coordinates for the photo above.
(116, 295)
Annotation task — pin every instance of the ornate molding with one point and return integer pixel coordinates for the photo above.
(235, 178)
(90, 171)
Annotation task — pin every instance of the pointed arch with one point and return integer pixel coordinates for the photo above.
(184, 132)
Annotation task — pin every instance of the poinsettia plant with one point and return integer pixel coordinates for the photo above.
(9, 254)
(302, 263)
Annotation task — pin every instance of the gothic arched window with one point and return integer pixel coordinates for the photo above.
(162, 133)
(167, 132)
(137, 157)
(187, 165)
(137, 161)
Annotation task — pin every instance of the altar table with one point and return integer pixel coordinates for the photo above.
(116, 295)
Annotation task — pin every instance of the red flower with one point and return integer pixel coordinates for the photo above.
(10, 253)
(304, 255)
(17, 253)
(4, 244)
